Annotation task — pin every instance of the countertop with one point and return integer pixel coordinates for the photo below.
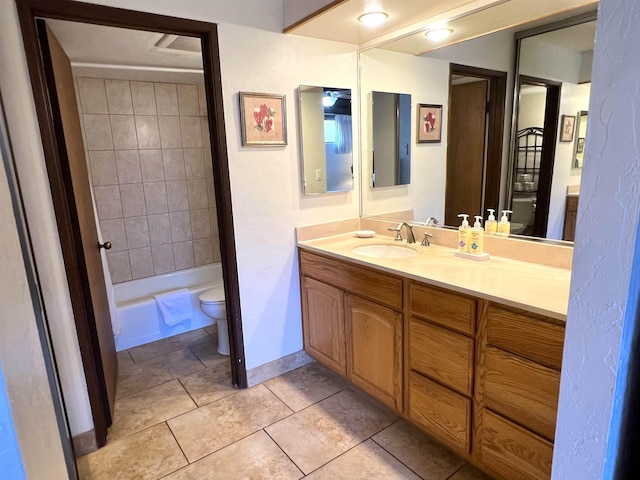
(530, 286)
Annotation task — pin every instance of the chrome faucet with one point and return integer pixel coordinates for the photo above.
(425, 240)
(431, 221)
(398, 230)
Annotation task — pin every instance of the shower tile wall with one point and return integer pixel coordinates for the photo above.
(150, 165)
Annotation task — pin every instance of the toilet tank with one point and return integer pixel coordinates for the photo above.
(523, 210)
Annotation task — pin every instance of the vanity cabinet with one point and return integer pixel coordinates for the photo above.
(570, 217)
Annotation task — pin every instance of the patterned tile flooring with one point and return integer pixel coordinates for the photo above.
(178, 418)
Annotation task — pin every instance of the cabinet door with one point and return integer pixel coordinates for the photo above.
(323, 324)
(374, 350)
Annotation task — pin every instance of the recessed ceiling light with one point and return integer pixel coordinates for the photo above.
(438, 34)
(372, 19)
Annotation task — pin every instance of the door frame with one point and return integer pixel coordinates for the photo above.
(60, 181)
(496, 106)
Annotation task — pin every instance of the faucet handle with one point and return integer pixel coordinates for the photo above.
(425, 240)
(398, 233)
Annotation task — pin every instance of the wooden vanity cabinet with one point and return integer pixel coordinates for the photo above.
(570, 218)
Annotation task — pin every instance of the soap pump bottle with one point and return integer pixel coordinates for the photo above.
(504, 227)
(491, 225)
(463, 234)
(476, 243)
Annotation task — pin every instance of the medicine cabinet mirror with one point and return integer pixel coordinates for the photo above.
(580, 138)
(326, 139)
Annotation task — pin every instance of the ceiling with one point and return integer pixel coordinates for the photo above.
(409, 19)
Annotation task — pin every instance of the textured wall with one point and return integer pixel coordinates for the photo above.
(605, 240)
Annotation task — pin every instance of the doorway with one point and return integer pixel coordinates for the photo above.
(87, 297)
(474, 150)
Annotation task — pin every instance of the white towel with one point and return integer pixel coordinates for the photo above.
(175, 306)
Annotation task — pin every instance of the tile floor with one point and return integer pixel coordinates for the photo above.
(178, 418)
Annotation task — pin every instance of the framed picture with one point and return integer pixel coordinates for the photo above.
(580, 147)
(567, 126)
(429, 123)
(263, 119)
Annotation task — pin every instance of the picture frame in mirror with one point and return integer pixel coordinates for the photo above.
(429, 123)
(567, 126)
(263, 119)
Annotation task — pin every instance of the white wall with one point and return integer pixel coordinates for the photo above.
(604, 285)
(543, 60)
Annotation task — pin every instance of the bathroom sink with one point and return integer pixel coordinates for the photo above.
(385, 251)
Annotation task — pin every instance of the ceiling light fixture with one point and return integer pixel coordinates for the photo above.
(438, 34)
(328, 100)
(371, 19)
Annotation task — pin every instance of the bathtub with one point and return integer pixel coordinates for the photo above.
(139, 315)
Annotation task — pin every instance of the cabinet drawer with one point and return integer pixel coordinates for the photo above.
(442, 355)
(514, 452)
(522, 390)
(526, 335)
(447, 309)
(380, 287)
(441, 412)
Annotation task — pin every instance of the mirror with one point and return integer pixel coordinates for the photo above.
(427, 77)
(326, 139)
(581, 138)
(391, 139)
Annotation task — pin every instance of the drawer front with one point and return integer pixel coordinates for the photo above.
(441, 412)
(522, 390)
(525, 335)
(441, 355)
(380, 287)
(514, 452)
(450, 310)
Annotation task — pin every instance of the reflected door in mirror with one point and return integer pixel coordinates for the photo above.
(391, 138)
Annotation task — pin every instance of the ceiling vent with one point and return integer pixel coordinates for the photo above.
(179, 43)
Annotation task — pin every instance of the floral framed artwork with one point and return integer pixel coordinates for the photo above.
(567, 126)
(429, 123)
(263, 118)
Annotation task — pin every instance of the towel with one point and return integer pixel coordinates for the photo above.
(175, 306)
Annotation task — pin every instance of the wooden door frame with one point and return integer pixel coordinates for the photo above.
(496, 102)
(60, 180)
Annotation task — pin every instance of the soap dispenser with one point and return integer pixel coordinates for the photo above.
(491, 225)
(504, 227)
(476, 243)
(463, 234)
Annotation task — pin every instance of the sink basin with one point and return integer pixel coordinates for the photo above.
(385, 251)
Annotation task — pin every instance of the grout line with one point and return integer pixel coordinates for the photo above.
(178, 443)
(284, 452)
(391, 453)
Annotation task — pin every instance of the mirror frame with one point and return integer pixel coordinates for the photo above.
(579, 116)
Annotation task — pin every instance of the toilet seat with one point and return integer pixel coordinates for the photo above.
(213, 295)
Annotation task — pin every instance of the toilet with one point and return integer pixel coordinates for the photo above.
(212, 304)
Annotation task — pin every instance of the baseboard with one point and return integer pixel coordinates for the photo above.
(277, 367)
(84, 443)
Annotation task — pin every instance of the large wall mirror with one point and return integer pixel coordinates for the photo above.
(326, 138)
(547, 67)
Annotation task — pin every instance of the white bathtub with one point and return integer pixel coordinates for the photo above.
(139, 315)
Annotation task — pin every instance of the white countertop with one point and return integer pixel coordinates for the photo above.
(530, 286)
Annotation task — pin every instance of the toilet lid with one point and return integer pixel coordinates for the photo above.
(213, 295)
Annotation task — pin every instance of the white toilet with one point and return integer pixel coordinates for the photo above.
(212, 304)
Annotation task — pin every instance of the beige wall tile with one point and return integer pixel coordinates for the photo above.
(211, 193)
(177, 195)
(147, 131)
(203, 251)
(137, 230)
(97, 132)
(133, 203)
(197, 194)
(191, 132)
(166, 98)
(217, 254)
(128, 165)
(93, 98)
(155, 197)
(119, 266)
(213, 217)
(113, 231)
(163, 260)
(103, 167)
(144, 98)
(202, 100)
(108, 202)
(159, 228)
(119, 97)
(180, 226)
(173, 162)
(170, 136)
(208, 165)
(194, 163)
(152, 167)
(200, 223)
(123, 129)
(141, 262)
(183, 254)
(188, 100)
(204, 130)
